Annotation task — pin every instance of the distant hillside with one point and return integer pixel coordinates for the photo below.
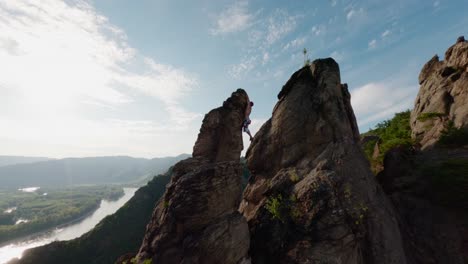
(80, 171)
(11, 160)
(114, 236)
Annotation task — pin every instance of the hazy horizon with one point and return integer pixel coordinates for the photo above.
(81, 157)
(84, 78)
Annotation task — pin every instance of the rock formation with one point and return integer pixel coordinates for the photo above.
(429, 187)
(429, 191)
(197, 221)
(312, 197)
(443, 96)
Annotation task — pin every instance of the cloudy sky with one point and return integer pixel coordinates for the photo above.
(115, 77)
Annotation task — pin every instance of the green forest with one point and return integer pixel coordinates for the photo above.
(98, 245)
(48, 208)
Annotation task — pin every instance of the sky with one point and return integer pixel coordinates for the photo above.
(114, 77)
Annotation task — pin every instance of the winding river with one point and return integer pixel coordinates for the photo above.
(15, 250)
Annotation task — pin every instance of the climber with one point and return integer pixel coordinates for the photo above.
(246, 123)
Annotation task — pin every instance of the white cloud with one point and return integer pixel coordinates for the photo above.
(262, 41)
(295, 43)
(166, 83)
(350, 14)
(372, 102)
(279, 25)
(372, 44)
(354, 13)
(436, 3)
(9, 45)
(278, 73)
(81, 137)
(271, 29)
(385, 33)
(266, 58)
(319, 30)
(59, 59)
(337, 55)
(234, 19)
(237, 71)
(333, 2)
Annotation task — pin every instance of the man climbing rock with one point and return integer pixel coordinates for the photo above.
(246, 123)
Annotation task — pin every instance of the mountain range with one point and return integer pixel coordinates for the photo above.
(83, 171)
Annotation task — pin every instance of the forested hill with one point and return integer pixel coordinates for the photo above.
(114, 236)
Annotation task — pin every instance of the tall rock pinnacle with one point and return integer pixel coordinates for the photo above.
(312, 197)
(197, 221)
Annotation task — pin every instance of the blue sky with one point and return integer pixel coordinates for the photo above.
(115, 77)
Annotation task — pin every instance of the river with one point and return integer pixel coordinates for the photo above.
(15, 250)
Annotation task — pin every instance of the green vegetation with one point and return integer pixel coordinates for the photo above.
(357, 210)
(275, 206)
(295, 213)
(283, 209)
(42, 212)
(391, 133)
(453, 136)
(113, 237)
(449, 182)
(293, 176)
(134, 261)
(430, 115)
(394, 132)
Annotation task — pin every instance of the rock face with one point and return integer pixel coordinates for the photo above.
(443, 96)
(429, 186)
(312, 197)
(428, 190)
(197, 221)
